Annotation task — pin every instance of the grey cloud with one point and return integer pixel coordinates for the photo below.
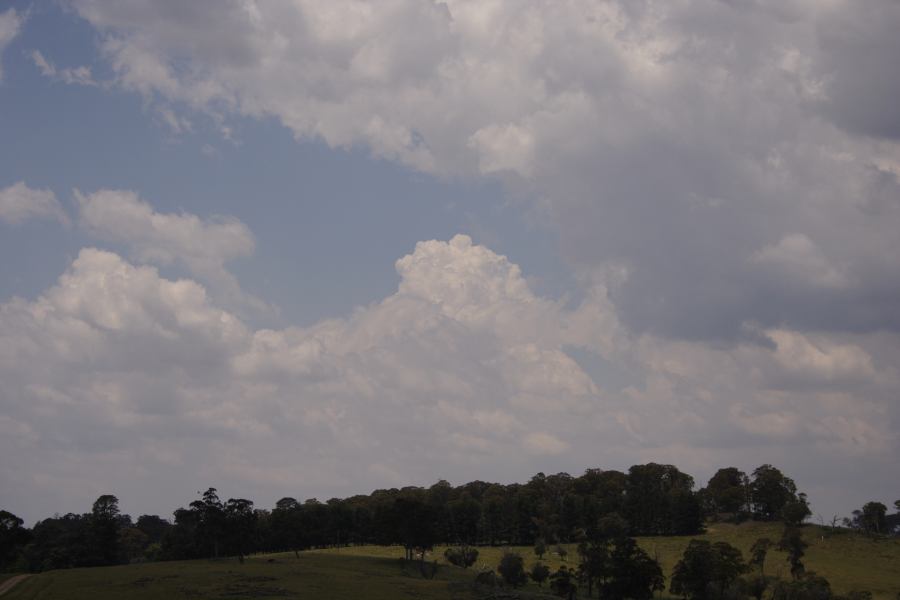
(859, 48)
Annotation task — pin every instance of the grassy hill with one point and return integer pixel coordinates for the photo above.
(849, 562)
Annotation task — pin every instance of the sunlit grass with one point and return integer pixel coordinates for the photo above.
(849, 561)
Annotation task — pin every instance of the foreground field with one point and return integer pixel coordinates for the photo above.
(850, 562)
(313, 575)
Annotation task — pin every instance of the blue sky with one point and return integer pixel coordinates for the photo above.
(316, 248)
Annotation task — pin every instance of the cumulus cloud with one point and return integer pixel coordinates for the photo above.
(19, 203)
(462, 372)
(10, 25)
(202, 246)
(723, 177)
(675, 139)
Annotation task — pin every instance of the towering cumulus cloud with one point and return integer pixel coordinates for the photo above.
(463, 370)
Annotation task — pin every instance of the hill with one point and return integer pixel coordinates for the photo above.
(849, 561)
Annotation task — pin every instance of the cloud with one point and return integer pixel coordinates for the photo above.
(117, 378)
(77, 75)
(10, 25)
(800, 259)
(202, 246)
(678, 141)
(858, 50)
(19, 203)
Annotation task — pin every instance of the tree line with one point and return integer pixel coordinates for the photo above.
(649, 499)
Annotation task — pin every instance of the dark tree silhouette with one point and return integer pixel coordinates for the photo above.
(512, 569)
(770, 491)
(13, 537)
(104, 530)
(706, 570)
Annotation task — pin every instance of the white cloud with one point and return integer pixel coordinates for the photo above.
(19, 203)
(73, 75)
(202, 246)
(10, 25)
(460, 374)
(640, 131)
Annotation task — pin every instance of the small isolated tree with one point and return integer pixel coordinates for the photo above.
(539, 573)
(562, 552)
(706, 570)
(512, 569)
(462, 556)
(758, 553)
(540, 548)
(792, 543)
(631, 573)
(563, 583)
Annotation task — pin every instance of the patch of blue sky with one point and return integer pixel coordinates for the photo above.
(328, 223)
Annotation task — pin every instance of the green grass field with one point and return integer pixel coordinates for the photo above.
(376, 572)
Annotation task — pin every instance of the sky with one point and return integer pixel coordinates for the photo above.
(314, 248)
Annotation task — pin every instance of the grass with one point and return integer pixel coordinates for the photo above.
(849, 562)
(313, 575)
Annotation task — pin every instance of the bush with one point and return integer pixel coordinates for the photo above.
(463, 556)
(512, 569)
(539, 573)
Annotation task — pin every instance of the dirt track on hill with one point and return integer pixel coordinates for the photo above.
(11, 583)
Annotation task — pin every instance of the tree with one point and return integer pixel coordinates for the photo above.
(770, 491)
(727, 491)
(806, 587)
(240, 522)
(540, 548)
(563, 583)
(463, 556)
(287, 526)
(758, 554)
(873, 517)
(210, 527)
(153, 527)
(706, 570)
(104, 530)
(13, 538)
(659, 501)
(796, 511)
(792, 543)
(512, 569)
(631, 573)
(539, 573)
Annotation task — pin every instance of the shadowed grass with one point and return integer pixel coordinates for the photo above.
(313, 575)
(848, 561)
